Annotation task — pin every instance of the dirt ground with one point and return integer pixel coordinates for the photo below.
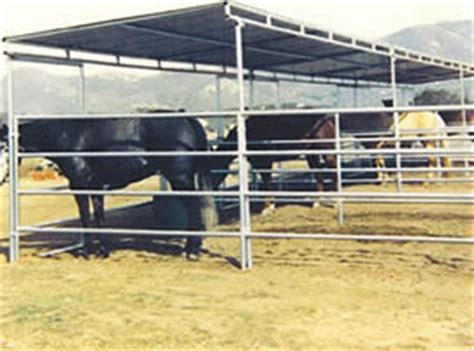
(301, 294)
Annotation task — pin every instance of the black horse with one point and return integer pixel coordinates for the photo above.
(261, 130)
(131, 134)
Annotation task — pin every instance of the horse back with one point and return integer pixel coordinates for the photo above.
(421, 120)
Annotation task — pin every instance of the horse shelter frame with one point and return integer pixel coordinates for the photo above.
(238, 15)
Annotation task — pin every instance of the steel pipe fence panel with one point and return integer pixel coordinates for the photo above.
(14, 216)
(244, 195)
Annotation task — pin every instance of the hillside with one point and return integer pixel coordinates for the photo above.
(447, 39)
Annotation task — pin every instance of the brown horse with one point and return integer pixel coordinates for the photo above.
(261, 130)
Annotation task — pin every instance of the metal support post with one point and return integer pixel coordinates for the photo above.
(340, 205)
(82, 109)
(14, 248)
(251, 90)
(82, 90)
(463, 107)
(438, 158)
(220, 121)
(396, 120)
(245, 226)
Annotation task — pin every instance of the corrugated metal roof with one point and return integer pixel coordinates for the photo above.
(205, 35)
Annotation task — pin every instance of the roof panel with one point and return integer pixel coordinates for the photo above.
(204, 34)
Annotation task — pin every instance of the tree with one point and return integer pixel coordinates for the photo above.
(437, 97)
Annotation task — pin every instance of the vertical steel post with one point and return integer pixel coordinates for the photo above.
(464, 117)
(277, 106)
(340, 205)
(251, 90)
(253, 180)
(245, 227)
(396, 119)
(220, 121)
(82, 90)
(462, 96)
(438, 157)
(14, 248)
(82, 109)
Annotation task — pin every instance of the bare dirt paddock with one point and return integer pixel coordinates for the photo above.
(301, 294)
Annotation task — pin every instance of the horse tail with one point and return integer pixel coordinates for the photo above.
(220, 163)
(207, 204)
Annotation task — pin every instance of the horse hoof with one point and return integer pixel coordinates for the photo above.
(316, 204)
(83, 252)
(104, 254)
(193, 256)
(327, 203)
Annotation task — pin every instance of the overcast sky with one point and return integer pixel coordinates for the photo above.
(363, 18)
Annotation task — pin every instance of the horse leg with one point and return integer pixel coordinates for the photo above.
(185, 181)
(83, 206)
(315, 164)
(445, 161)
(99, 218)
(382, 174)
(432, 162)
(268, 205)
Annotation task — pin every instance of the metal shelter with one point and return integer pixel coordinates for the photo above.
(225, 38)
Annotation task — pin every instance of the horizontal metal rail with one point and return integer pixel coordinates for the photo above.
(410, 180)
(98, 116)
(247, 113)
(254, 193)
(126, 153)
(366, 195)
(384, 151)
(365, 201)
(323, 236)
(406, 169)
(362, 139)
(125, 231)
(137, 193)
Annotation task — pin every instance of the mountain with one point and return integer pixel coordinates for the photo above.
(454, 40)
(43, 90)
